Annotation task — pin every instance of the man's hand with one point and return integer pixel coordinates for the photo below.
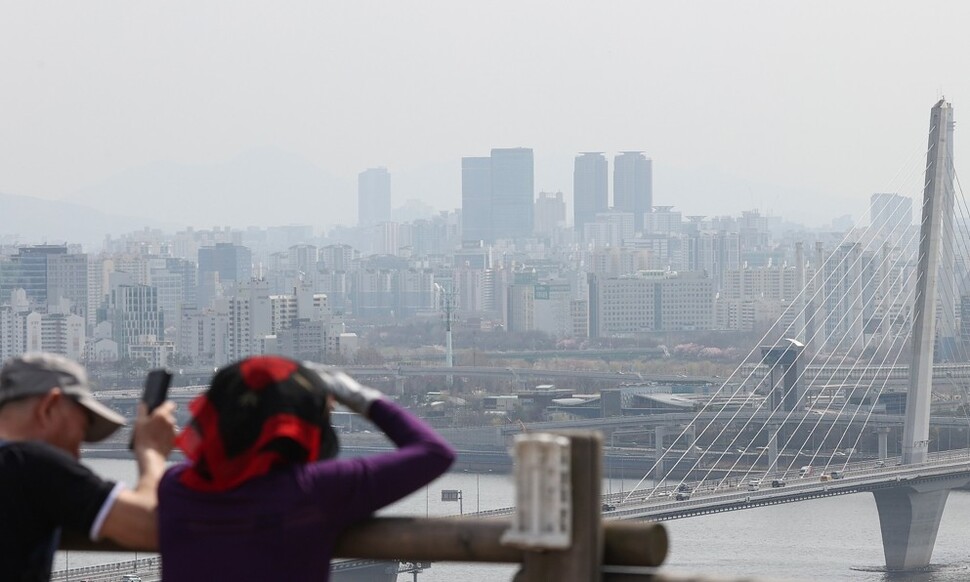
(132, 519)
(155, 431)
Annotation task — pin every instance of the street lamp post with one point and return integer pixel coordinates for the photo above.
(478, 489)
(609, 458)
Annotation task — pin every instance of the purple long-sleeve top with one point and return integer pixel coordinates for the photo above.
(283, 525)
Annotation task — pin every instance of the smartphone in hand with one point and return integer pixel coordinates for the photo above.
(156, 388)
(156, 391)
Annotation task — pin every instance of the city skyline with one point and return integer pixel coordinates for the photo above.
(145, 100)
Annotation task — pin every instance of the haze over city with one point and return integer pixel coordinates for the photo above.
(197, 113)
(723, 246)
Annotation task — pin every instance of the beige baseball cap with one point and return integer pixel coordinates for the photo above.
(37, 373)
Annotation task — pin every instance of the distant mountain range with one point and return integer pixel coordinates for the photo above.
(35, 220)
(261, 187)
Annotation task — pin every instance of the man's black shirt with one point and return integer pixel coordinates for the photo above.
(42, 489)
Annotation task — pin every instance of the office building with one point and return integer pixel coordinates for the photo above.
(233, 263)
(204, 336)
(590, 188)
(476, 199)
(650, 301)
(50, 275)
(134, 313)
(550, 213)
(664, 220)
(513, 193)
(56, 333)
(633, 186)
(497, 195)
(373, 197)
(609, 229)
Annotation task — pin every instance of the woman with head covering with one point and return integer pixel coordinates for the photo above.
(261, 496)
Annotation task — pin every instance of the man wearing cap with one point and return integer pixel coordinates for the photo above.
(46, 411)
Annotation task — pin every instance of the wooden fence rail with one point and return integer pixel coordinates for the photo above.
(612, 551)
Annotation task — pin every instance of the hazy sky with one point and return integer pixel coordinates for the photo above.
(800, 109)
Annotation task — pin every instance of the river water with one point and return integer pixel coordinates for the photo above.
(836, 538)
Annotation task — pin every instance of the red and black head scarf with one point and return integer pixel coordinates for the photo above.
(259, 413)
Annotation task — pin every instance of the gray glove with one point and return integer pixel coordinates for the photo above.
(345, 389)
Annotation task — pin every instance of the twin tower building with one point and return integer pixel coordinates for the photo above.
(498, 193)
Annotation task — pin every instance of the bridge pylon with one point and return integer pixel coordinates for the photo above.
(909, 516)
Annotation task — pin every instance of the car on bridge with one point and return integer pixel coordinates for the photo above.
(682, 496)
(777, 482)
(754, 485)
(837, 474)
(608, 507)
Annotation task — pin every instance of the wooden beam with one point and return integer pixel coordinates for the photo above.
(627, 543)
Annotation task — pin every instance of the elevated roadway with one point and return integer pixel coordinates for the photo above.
(200, 376)
(712, 497)
(943, 467)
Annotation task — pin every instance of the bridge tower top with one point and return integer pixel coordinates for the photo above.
(937, 207)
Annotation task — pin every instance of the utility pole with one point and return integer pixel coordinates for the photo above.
(449, 355)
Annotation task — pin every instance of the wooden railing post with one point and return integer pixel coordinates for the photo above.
(583, 559)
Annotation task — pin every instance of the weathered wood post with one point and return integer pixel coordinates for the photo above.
(582, 560)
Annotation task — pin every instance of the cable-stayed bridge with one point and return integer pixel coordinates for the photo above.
(863, 312)
(951, 468)
(718, 496)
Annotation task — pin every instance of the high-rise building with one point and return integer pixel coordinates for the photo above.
(497, 195)
(373, 196)
(609, 229)
(890, 216)
(520, 307)
(550, 213)
(633, 185)
(233, 263)
(650, 301)
(49, 274)
(590, 188)
(476, 199)
(13, 328)
(664, 220)
(134, 314)
(204, 336)
(338, 257)
(250, 319)
(513, 192)
(57, 333)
